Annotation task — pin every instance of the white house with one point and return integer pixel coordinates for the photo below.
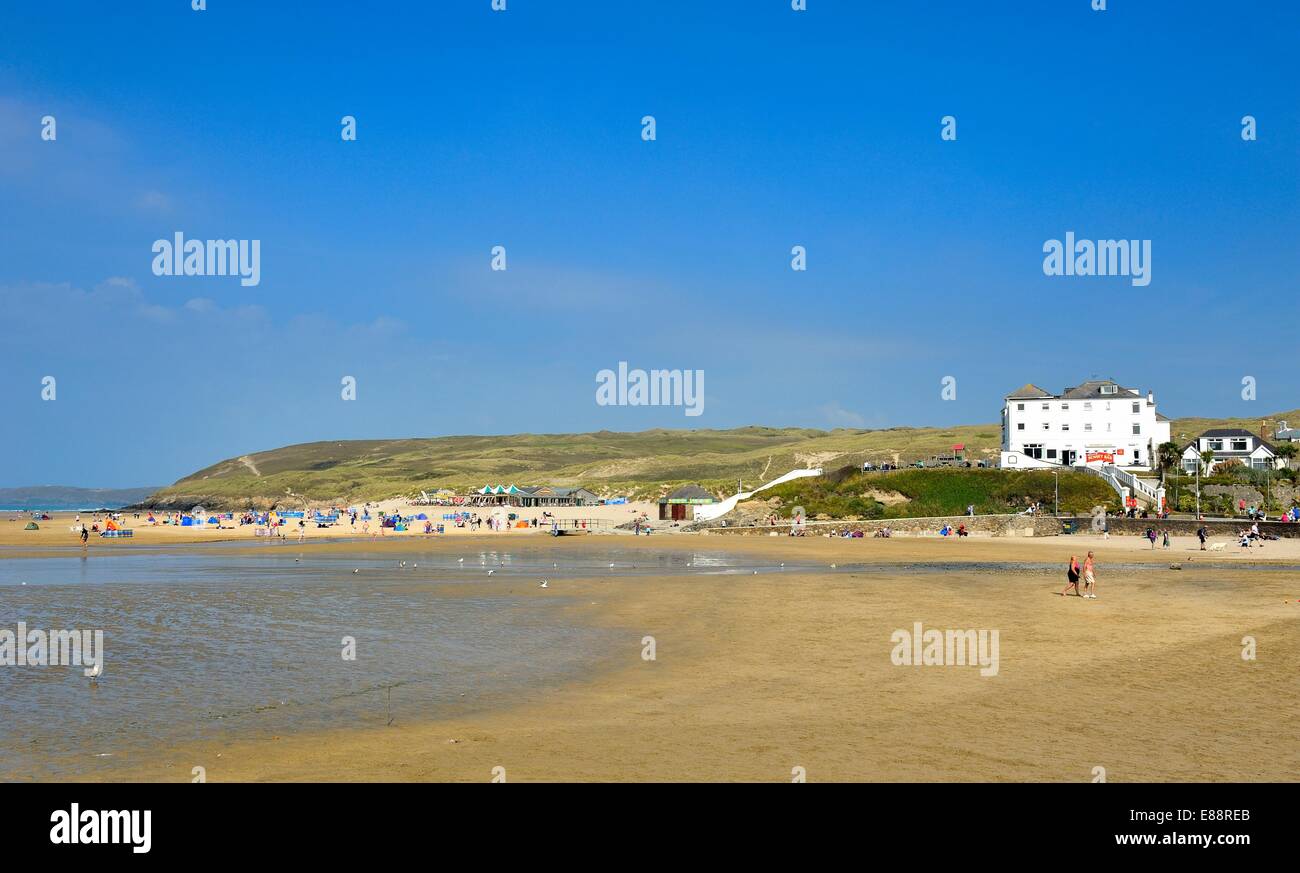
(1230, 444)
(1097, 423)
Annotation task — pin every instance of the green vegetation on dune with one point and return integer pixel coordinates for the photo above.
(641, 464)
(848, 493)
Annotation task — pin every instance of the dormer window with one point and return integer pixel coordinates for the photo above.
(1107, 389)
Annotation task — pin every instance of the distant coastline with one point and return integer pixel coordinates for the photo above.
(65, 498)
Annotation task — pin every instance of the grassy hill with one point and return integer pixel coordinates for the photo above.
(641, 464)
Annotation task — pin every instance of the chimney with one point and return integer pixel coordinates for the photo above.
(1151, 397)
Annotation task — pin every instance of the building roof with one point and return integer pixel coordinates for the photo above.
(1229, 432)
(1160, 416)
(1028, 391)
(1092, 389)
(688, 492)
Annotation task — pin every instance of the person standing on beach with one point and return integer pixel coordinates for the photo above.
(85, 536)
(1089, 577)
(1200, 534)
(1166, 539)
(1072, 577)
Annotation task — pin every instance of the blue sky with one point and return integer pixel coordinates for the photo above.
(522, 128)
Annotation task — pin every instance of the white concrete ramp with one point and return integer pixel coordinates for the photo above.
(710, 511)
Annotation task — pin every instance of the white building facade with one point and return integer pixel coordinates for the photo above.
(1230, 444)
(1098, 423)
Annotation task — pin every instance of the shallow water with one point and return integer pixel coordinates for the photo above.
(213, 642)
(226, 641)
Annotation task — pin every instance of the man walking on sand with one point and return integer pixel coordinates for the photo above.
(1089, 579)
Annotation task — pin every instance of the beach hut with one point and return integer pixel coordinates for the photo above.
(675, 506)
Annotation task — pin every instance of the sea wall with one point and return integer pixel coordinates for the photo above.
(1011, 526)
(987, 525)
(1187, 527)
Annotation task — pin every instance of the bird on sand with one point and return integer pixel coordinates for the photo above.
(544, 584)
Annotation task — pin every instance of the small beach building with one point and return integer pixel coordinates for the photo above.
(677, 505)
(553, 495)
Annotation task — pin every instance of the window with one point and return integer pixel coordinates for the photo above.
(1051, 453)
(1046, 426)
(1020, 407)
(1064, 406)
(1065, 426)
(1087, 407)
(1137, 407)
(1047, 406)
(1088, 426)
(1259, 463)
(1216, 445)
(1034, 450)
(1107, 389)
(1190, 465)
(1239, 445)
(1020, 425)
(1137, 429)
(1108, 427)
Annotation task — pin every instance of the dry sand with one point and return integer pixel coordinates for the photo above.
(757, 675)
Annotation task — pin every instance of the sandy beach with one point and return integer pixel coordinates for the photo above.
(756, 675)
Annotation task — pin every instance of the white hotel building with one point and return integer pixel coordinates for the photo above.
(1094, 424)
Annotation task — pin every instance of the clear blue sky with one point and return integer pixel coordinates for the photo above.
(522, 129)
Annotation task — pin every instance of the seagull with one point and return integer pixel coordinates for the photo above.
(544, 584)
(415, 566)
(402, 564)
(95, 672)
(461, 560)
(611, 566)
(833, 566)
(755, 572)
(356, 571)
(490, 572)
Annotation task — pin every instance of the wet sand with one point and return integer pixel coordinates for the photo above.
(756, 675)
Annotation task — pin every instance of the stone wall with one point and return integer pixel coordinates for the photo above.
(1011, 526)
(1187, 527)
(987, 525)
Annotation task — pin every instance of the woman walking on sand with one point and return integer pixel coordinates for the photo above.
(1072, 577)
(1089, 579)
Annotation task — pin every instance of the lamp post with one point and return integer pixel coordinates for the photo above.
(1198, 490)
(1057, 475)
